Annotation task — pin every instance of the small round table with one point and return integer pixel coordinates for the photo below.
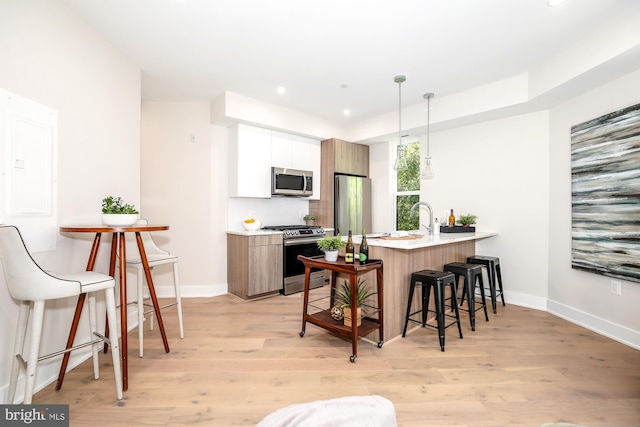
(117, 243)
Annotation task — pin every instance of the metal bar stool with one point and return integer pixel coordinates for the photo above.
(472, 274)
(438, 280)
(493, 268)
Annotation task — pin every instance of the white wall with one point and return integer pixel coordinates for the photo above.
(579, 295)
(53, 58)
(184, 185)
(380, 172)
(499, 171)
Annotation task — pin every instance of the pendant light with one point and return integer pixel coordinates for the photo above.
(401, 160)
(427, 167)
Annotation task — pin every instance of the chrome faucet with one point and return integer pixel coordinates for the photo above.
(430, 213)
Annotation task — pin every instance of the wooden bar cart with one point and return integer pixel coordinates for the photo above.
(322, 317)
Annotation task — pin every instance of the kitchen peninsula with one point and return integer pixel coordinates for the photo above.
(402, 257)
(253, 255)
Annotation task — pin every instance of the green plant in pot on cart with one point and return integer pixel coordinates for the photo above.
(331, 245)
(342, 304)
(467, 220)
(115, 212)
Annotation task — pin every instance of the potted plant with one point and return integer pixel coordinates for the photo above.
(343, 298)
(309, 219)
(331, 245)
(116, 212)
(467, 220)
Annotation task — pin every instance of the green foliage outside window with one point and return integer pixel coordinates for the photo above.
(409, 178)
(403, 221)
(408, 181)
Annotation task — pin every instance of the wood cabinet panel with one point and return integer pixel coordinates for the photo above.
(254, 265)
(350, 158)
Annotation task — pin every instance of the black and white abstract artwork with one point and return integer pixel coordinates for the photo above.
(605, 194)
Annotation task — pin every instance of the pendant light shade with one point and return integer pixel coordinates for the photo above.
(427, 170)
(401, 160)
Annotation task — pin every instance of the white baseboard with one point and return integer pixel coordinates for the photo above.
(602, 326)
(207, 291)
(596, 324)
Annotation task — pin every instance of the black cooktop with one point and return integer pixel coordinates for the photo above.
(291, 227)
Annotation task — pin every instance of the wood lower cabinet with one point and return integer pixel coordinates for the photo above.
(254, 264)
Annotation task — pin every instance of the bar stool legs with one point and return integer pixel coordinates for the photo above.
(437, 280)
(472, 274)
(493, 268)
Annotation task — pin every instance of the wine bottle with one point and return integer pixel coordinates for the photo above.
(452, 219)
(349, 250)
(364, 248)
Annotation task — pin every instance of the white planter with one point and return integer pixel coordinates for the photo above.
(119, 220)
(331, 255)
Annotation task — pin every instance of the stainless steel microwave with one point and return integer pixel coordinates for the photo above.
(291, 182)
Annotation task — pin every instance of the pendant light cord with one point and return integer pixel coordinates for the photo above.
(428, 97)
(399, 79)
(400, 112)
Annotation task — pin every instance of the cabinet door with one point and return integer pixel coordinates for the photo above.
(308, 157)
(249, 161)
(350, 158)
(265, 264)
(281, 150)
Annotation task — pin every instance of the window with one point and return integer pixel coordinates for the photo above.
(408, 189)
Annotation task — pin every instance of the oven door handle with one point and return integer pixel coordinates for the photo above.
(301, 241)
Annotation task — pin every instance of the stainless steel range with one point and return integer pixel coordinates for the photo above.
(299, 240)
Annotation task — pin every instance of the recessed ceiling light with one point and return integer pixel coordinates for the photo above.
(555, 3)
(281, 90)
(346, 112)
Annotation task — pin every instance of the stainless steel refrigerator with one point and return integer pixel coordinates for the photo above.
(352, 204)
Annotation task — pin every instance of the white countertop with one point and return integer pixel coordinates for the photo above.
(253, 233)
(422, 242)
(426, 240)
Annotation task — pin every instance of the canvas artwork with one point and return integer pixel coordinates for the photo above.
(605, 194)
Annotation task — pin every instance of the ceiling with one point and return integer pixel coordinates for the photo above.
(333, 55)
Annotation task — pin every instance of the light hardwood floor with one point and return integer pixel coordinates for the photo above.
(239, 361)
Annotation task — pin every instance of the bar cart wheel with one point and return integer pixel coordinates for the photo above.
(301, 334)
(353, 358)
(380, 344)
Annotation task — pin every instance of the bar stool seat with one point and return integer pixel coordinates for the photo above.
(493, 268)
(438, 280)
(472, 274)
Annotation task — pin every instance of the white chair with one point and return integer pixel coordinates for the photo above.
(32, 287)
(155, 256)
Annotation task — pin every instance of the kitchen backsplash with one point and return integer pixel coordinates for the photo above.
(274, 211)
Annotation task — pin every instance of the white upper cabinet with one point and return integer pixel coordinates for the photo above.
(281, 150)
(253, 151)
(308, 153)
(249, 161)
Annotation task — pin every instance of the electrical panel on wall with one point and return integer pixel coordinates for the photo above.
(28, 174)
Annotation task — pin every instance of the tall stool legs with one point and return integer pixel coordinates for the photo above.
(493, 268)
(437, 280)
(472, 274)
